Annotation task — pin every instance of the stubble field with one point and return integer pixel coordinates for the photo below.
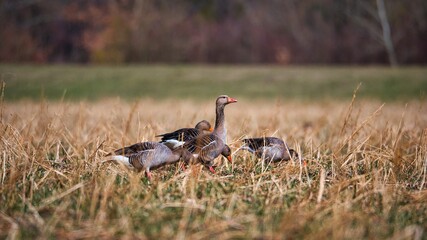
(365, 175)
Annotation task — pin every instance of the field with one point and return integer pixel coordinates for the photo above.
(76, 82)
(364, 178)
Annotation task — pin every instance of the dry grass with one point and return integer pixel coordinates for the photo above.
(365, 175)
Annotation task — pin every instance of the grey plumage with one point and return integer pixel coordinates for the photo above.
(269, 148)
(147, 155)
(185, 134)
(207, 147)
(173, 139)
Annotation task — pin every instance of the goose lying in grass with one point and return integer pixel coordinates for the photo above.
(269, 148)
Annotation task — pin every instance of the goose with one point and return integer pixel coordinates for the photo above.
(147, 155)
(226, 152)
(269, 148)
(178, 137)
(206, 147)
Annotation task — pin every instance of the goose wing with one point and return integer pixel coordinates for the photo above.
(183, 134)
(257, 143)
(136, 148)
(207, 147)
(201, 142)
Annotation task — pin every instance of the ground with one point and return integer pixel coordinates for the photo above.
(365, 173)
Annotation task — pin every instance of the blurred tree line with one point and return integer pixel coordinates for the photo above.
(214, 31)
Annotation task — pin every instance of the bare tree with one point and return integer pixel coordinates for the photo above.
(374, 20)
(386, 32)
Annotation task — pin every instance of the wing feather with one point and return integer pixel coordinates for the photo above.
(256, 143)
(135, 148)
(183, 134)
(196, 144)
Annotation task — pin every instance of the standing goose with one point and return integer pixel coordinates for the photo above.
(178, 137)
(269, 148)
(207, 147)
(148, 155)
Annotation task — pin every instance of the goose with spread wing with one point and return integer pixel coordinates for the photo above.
(177, 138)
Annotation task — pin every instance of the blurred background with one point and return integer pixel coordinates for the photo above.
(214, 31)
(203, 48)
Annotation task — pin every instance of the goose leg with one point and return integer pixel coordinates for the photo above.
(148, 173)
(182, 166)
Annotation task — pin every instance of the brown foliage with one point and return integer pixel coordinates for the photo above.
(210, 31)
(365, 176)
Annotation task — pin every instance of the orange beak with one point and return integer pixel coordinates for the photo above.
(231, 100)
(229, 159)
(211, 129)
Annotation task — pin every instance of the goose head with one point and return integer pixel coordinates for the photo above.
(226, 152)
(224, 100)
(204, 126)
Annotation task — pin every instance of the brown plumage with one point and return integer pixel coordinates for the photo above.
(178, 137)
(148, 155)
(226, 152)
(269, 148)
(207, 147)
